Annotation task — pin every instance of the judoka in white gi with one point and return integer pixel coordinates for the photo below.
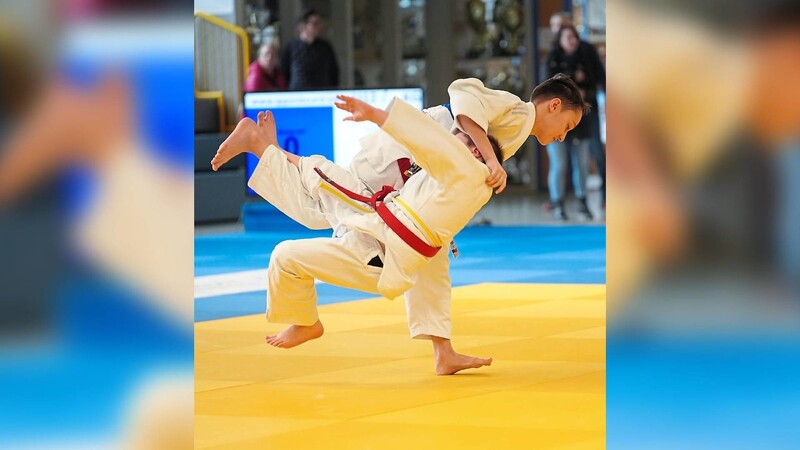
(430, 296)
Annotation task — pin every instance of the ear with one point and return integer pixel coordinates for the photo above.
(555, 105)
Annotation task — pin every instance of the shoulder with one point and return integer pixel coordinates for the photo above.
(465, 82)
(324, 44)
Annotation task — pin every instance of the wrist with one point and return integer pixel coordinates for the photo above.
(378, 116)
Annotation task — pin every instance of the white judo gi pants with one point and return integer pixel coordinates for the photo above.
(343, 261)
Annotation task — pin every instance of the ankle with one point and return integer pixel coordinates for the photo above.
(442, 347)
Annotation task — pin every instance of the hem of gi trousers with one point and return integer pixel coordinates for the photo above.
(427, 333)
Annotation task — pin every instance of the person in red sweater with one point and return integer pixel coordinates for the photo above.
(264, 74)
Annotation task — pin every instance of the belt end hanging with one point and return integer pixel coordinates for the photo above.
(454, 249)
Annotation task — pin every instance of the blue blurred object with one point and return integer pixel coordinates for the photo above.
(75, 380)
(162, 88)
(732, 392)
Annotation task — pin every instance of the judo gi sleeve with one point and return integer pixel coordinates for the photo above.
(435, 149)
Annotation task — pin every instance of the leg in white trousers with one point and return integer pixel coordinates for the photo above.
(428, 301)
(294, 265)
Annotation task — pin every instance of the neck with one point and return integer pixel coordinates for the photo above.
(540, 110)
(306, 38)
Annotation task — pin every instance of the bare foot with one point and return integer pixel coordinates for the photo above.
(267, 127)
(448, 361)
(245, 138)
(296, 335)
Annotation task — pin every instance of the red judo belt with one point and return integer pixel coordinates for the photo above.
(376, 201)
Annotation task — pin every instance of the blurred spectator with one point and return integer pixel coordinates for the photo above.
(264, 74)
(78, 162)
(696, 191)
(596, 146)
(581, 62)
(309, 61)
(559, 20)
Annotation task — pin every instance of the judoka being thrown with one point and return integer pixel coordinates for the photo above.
(424, 214)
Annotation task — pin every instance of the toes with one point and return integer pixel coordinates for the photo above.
(483, 362)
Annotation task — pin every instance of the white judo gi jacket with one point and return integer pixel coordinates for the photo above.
(435, 204)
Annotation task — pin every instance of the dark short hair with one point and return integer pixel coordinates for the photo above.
(498, 151)
(307, 15)
(561, 87)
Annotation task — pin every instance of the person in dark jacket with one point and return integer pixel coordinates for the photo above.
(581, 62)
(309, 61)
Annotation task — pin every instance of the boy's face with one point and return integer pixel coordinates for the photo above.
(553, 123)
(466, 140)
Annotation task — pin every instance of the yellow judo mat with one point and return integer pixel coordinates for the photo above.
(366, 385)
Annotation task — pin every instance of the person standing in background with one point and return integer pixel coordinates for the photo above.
(264, 74)
(309, 62)
(580, 61)
(596, 145)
